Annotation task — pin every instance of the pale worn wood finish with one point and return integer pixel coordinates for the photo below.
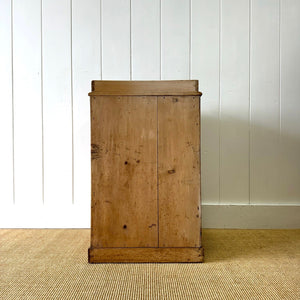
(179, 171)
(163, 255)
(166, 87)
(124, 162)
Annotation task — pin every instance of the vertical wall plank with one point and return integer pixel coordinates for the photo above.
(116, 39)
(27, 102)
(6, 133)
(86, 67)
(145, 26)
(290, 104)
(265, 119)
(234, 109)
(57, 102)
(205, 68)
(175, 39)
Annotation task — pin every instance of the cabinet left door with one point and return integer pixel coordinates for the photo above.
(124, 171)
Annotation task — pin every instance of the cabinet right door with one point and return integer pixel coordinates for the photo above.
(179, 171)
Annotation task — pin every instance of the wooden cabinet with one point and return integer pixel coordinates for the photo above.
(145, 150)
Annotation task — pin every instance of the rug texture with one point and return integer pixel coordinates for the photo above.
(239, 264)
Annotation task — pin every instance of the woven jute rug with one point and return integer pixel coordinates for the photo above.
(239, 264)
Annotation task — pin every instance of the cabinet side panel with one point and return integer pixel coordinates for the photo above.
(179, 171)
(124, 171)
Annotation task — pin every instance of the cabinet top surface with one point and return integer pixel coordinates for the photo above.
(146, 88)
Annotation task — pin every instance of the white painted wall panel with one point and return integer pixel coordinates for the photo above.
(145, 39)
(290, 104)
(56, 25)
(175, 39)
(265, 106)
(116, 39)
(6, 105)
(86, 57)
(205, 63)
(27, 102)
(245, 54)
(234, 102)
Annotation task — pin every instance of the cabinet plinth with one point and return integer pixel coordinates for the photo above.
(145, 161)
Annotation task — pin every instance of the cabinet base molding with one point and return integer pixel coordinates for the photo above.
(146, 255)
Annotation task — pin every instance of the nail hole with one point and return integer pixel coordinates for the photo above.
(126, 163)
(125, 226)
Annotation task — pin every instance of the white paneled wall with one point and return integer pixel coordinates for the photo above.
(245, 54)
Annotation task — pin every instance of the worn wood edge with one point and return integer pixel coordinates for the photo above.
(146, 255)
(141, 93)
(140, 88)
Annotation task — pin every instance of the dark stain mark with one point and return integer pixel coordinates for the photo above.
(138, 161)
(125, 226)
(126, 162)
(94, 151)
(152, 225)
(171, 171)
(175, 99)
(197, 215)
(108, 202)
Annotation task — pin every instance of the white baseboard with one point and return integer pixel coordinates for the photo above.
(251, 216)
(213, 216)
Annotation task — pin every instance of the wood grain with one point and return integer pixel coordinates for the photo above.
(124, 162)
(163, 255)
(179, 171)
(166, 87)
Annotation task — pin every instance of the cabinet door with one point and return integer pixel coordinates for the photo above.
(124, 171)
(179, 171)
